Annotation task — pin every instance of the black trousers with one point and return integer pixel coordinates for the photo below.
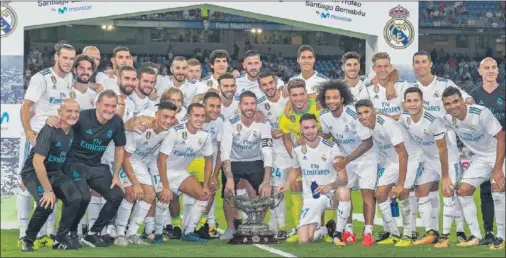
(251, 171)
(98, 178)
(65, 190)
(487, 206)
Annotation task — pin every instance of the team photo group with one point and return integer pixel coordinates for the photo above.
(119, 148)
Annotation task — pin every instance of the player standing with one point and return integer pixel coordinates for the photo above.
(339, 120)
(246, 153)
(313, 161)
(43, 177)
(218, 60)
(351, 68)
(47, 89)
(480, 131)
(306, 60)
(84, 68)
(228, 89)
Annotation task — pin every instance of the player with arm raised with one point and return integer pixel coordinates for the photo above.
(246, 153)
(339, 120)
(141, 151)
(43, 177)
(272, 105)
(439, 161)
(482, 133)
(313, 161)
(388, 138)
(184, 142)
(46, 91)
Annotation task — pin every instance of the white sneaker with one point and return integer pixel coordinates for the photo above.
(135, 239)
(121, 241)
(227, 235)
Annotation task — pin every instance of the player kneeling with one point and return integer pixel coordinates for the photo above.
(139, 165)
(314, 162)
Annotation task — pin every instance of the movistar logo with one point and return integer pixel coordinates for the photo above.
(62, 10)
(325, 15)
(5, 117)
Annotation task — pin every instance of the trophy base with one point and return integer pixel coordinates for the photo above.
(255, 239)
(254, 234)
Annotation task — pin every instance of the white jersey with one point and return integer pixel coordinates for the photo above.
(358, 88)
(313, 82)
(182, 146)
(426, 132)
(230, 111)
(140, 104)
(214, 128)
(378, 95)
(477, 131)
(242, 143)
(244, 84)
(162, 84)
(47, 90)
(386, 135)
(315, 164)
(432, 94)
(101, 77)
(151, 112)
(272, 111)
(346, 130)
(145, 146)
(210, 82)
(190, 89)
(111, 84)
(86, 100)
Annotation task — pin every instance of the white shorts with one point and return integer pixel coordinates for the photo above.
(428, 172)
(388, 174)
(313, 209)
(479, 171)
(175, 177)
(362, 174)
(141, 172)
(415, 169)
(279, 175)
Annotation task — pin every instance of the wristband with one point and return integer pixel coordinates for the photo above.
(48, 191)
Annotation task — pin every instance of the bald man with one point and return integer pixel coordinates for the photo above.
(491, 95)
(43, 177)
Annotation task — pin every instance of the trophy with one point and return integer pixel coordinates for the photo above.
(254, 231)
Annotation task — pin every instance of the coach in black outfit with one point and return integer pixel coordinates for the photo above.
(491, 95)
(94, 131)
(43, 177)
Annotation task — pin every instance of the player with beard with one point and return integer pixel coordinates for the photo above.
(339, 121)
(120, 57)
(272, 104)
(140, 96)
(249, 81)
(218, 60)
(141, 151)
(184, 142)
(84, 68)
(94, 53)
(313, 161)
(47, 89)
(228, 89)
(190, 88)
(246, 153)
(42, 174)
(482, 133)
(306, 60)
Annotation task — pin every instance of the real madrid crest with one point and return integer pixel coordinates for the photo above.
(72, 94)
(324, 157)
(399, 32)
(304, 149)
(238, 127)
(454, 120)
(376, 90)
(53, 79)
(267, 106)
(199, 141)
(210, 83)
(436, 94)
(185, 135)
(148, 135)
(9, 19)
(408, 120)
(425, 131)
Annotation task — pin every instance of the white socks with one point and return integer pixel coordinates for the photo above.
(436, 208)
(405, 208)
(414, 208)
(161, 211)
(368, 229)
(149, 225)
(211, 216)
(122, 216)
(93, 210)
(458, 215)
(23, 202)
(388, 220)
(470, 214)
(196, 213)
(499, 199)
(448, 213)
(319, 233)
(138, 214)
(425, 206)
(343, 212)
(278, 215)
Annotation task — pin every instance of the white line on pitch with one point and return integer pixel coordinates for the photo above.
(274, 250)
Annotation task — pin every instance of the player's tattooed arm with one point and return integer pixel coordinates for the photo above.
(227, 169)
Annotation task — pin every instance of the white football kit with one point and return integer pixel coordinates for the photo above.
(140, 103)
(190, 89)
(281, 161)
(230, 111)
(144, 148)
(244, 84)
(86, 100)
(477, 131)
(348, 133)
(315, 165)
(182, 147)
(210, 82)
(356, 90)
(312, 84)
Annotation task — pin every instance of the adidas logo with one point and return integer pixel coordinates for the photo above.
(59, 246)
(89, 131)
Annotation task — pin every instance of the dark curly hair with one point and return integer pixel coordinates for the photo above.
(343, 89)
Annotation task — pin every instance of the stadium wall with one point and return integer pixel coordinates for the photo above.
(386, 26)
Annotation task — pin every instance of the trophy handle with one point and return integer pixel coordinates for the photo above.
(279, 197)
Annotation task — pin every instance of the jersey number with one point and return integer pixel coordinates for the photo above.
(304, 212)
(156, 178)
